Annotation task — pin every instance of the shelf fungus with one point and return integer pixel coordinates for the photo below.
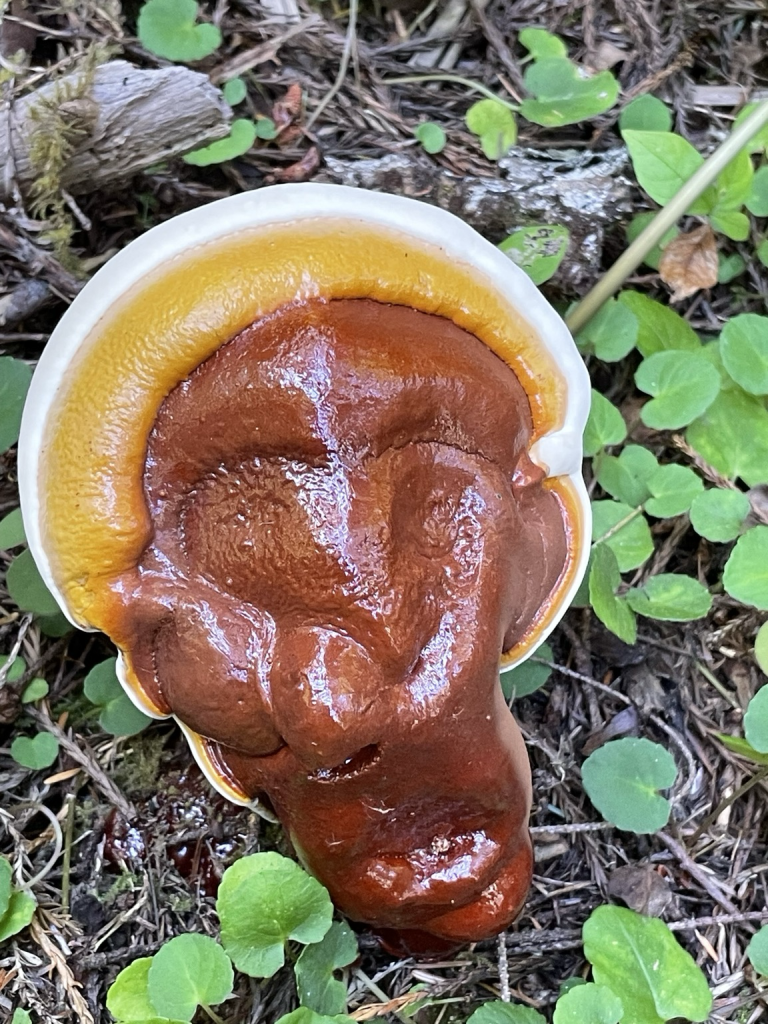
(310, 456)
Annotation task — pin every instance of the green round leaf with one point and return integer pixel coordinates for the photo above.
(756, 721)
(315, 982)
(528, 677)
(757, 950)
(169, 29)
(26, 587)
(673, 489)
(431, 136)
(622, 778)
(683, 385)
(265, 128)
(538, 249)
(631, 543)
(101, 684)
(730, 267)
(605, 425)
(17, 669)
(242, 135)
(744, 348)
(495, 124)
(35, 752)
(565, 94)
(20, 911)
(671, 597)
(611, 333)
(187, 972)
(12, 530)
(263, 901)
(541, 44)
(128, 995)
(119, 715)
(645, 114)
(20, 1016)
(662, 162)
(719, 514)
(659, 328)
(626, 477)
(745, 576)
(588, 1004)
(497, 1012)
(36, 689)
(235, 91)
(732, 436)
(613, 611)
(15, 378)
(640, 958)
(761, 647)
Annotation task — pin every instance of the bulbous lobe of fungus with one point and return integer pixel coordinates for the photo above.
(347, 532)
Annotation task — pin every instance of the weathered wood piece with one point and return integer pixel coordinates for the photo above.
(128, 120)
(584, 191)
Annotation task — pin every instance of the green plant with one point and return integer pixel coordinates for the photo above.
(170, 29)
(622, 779)
(537, 248)
(15, 378)
(16, 907)
(28, 590)
(12, 530)
(35, 752)
(431, 136)
(118, 714)
(242, 135)
(757, 950)
(495, 125)
(528, 677)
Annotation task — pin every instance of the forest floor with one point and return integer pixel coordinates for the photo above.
(144, 839)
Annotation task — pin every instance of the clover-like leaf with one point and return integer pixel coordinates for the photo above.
(658, 327)
(626, 477)
(15, 377)
(35, 752)
(673, 488)
(719, 514)
(12, 530)
(612, 333)
(745, 576)
(187, 972)
(756, 721)
(605, 425)
(169, 28)
(744, 348)
(613, 611)
(646, 113)
(683, 386)
(588, 1004)
(118, 714)
(18, 914)
(264, 900)
(663, 162)
(528, 677)
(497, 1012)
(761, 647)
(27, 589)
(431, 136)
(565, 94)
(128, 995)
(671, 597)
(640, 958)
(315, 982)
(235, 91)
(631, 542)
(35, 689)
(16, 670)
(242, 135)
(622, 779)
(495, 123)
(757, 950)
(538, 249)
(732, 436)
(541, 44)
(6, 884)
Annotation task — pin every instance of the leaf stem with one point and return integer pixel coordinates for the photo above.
(614, 278)
(210, 1013)
(466, 82)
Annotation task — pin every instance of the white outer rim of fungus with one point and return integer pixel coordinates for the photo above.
(559, 452)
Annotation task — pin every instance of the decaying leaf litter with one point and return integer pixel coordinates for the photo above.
(124, 839)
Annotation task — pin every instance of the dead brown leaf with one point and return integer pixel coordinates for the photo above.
(641, 887)
(371, 1010)
(689, 262)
